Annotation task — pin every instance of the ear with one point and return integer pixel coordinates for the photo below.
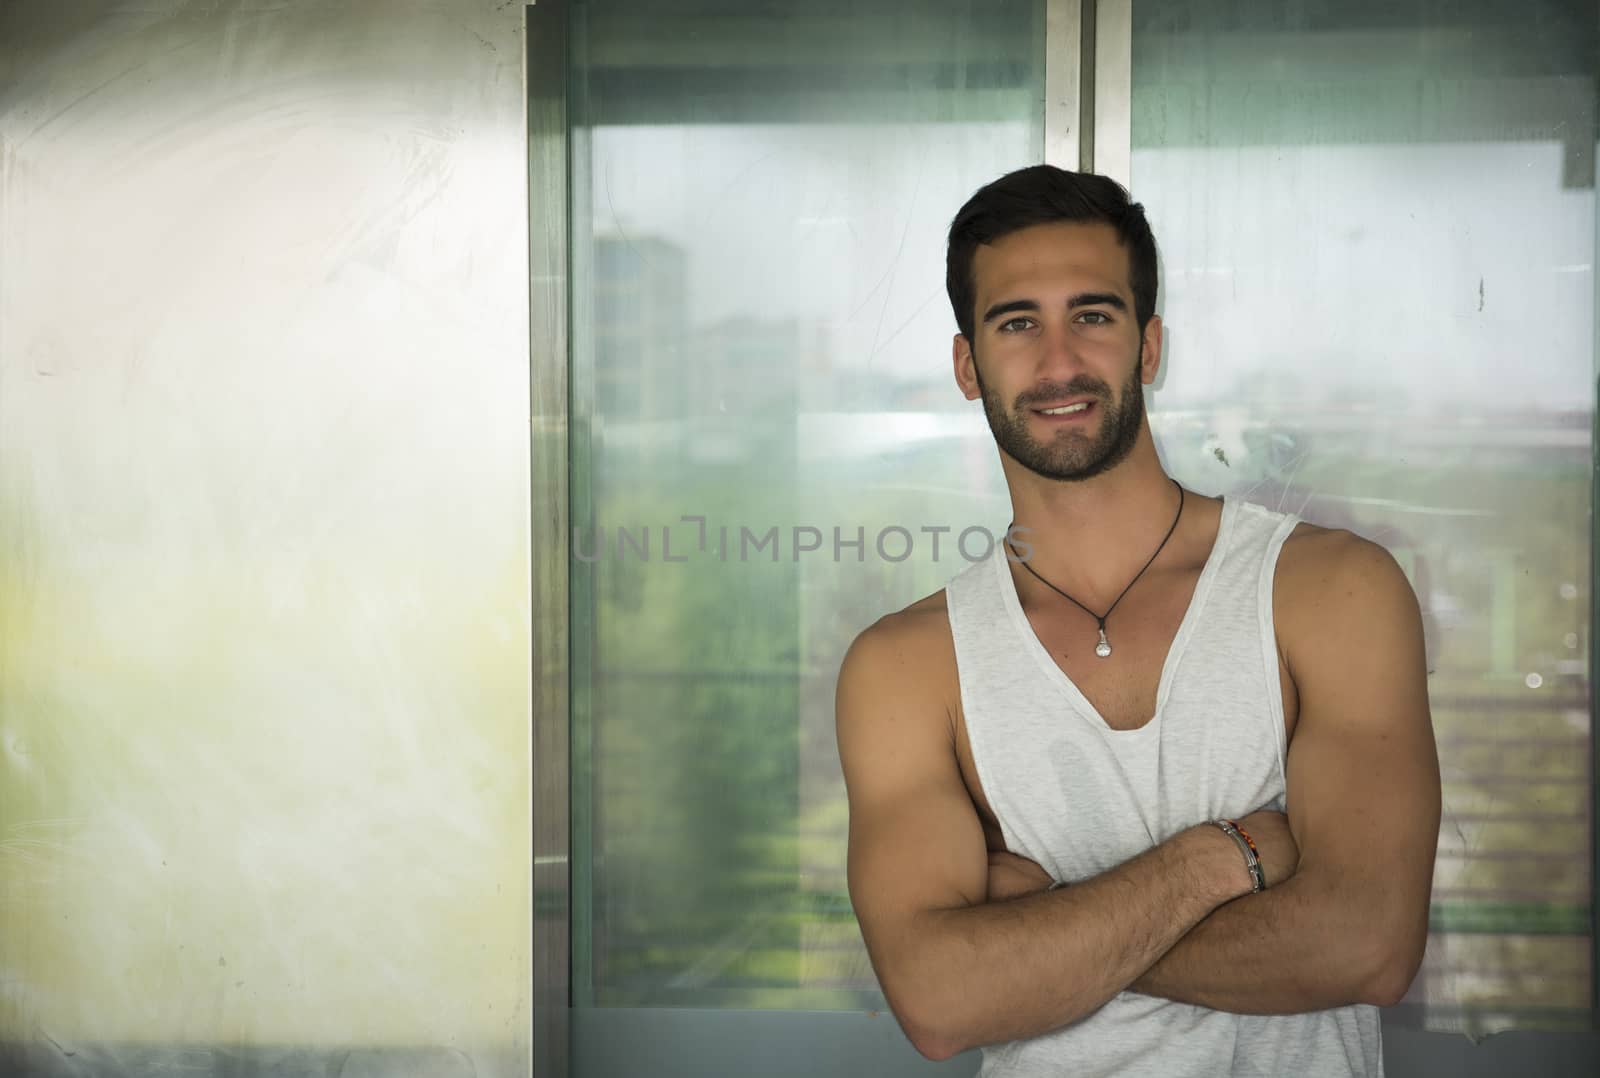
(1150, 351)
(966, 367)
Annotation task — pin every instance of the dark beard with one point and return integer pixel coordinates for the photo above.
(1070, 456)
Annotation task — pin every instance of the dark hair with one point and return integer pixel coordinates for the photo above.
(1043, 194)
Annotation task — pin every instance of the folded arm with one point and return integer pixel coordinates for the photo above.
(1363, 804)
(957, 970)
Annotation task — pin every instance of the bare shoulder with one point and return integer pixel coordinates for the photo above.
(913, 640)
(1335, 589)
(909, 654)
(1326, 564)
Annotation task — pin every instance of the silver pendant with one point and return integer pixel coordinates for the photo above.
(1103, 649)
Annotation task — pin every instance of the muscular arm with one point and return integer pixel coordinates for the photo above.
(1363, 805)
(959, 971)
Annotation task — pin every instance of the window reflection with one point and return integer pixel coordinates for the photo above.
(1359, 217)
(1377, 234)
(761, 326)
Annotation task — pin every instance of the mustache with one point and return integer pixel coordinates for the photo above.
(1081, 386)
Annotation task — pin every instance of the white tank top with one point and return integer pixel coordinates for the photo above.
(1080, 798)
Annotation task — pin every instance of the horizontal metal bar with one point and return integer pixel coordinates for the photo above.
(1509, 855)
(1517, 817)
(1508, 895)
(1573, 742)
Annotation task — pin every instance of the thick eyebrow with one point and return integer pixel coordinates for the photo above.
(1006, 308)
(1098, 299)
(1082, 299)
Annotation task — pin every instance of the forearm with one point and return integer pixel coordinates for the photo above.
(1008, 970)
(1304, 945)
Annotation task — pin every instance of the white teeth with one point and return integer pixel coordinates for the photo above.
(1066, 409)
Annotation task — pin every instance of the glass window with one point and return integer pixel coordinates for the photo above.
(1377, 227)
(760, 339)
(1378, 233)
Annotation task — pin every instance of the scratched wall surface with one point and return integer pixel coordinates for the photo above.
(264, 628)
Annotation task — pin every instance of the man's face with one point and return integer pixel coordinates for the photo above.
(1062, 362)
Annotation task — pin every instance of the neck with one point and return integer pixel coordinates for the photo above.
(1092, 535)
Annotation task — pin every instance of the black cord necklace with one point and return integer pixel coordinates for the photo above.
(1103, 648)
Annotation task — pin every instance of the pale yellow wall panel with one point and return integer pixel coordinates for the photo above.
(264, 625)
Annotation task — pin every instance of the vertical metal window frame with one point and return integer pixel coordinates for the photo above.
(1067, 88)
(1111, 44)
(545, 71)
(1088, 86)
(1594, 645)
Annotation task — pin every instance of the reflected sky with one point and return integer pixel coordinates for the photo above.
(1356, 275)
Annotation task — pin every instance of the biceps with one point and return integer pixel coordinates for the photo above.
(922, 851)
(1363, 776)
(1364, 796)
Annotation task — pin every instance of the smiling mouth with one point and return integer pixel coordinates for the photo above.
(1066, 413)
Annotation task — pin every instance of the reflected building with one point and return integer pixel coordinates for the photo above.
(748, 370)
(641, 318)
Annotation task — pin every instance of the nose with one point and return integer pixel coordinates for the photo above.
(1059, 357)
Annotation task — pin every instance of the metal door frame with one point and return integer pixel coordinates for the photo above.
(1087, 74)
(545, 71)
(1088, 87)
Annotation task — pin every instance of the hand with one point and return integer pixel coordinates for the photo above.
(1012, 876)
(1275, 845)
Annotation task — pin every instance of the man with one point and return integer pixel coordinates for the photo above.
(1152, 790)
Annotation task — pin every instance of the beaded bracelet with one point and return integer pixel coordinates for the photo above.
(1247, 846)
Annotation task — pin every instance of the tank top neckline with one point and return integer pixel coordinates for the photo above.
(1069, 688)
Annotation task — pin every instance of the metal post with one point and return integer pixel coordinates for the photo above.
(1112, 130)
(545, 37)
(1065, 128)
